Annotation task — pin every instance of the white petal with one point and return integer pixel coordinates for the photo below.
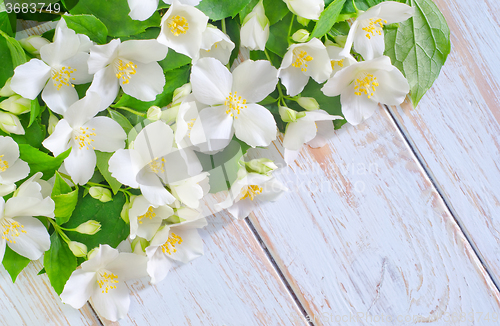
(106, 85)
(212, 130)
(83, 110)
(369, 48)
(59, 100)
(319, 68)
(293, 79)
(124, 167)
(394, 12)
(65, 45)
(58, 142)
(154, 141)
(142, 9)
(392, 88)
(109, 137)
(22, 205)
(34, 242)
(326, 130)
(103, 256)
(254, 80)
(80, 165)
(242, 208)
(298, 133)
(30, 78)
(191, 246)
(128, 266)
(158, 264)
(255, 126)
(154, 191)
(211, 81)
(79, 62)
(7, 188)
(147, 82)
(3, 244)
(16, 171)
(102, 55)
(340, 81)
(290, 156)
(356, 108)
(79, 288)
(114, 304)
(144, 51)
(310, 9)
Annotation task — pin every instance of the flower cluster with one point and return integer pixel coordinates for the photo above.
(143, 127)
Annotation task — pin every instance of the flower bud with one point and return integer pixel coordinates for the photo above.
(6, 91)
(261, 166)
(340, 40)
(170, 114)
(53, 121)
(102, 194)
(154, 113)
(308, 103)
(301, 36)
(126, 207)
(90, 227)
(180, 93)
(139, 245)
(33, 44)
(16, 104)
(287, 114)
(78, 249)
(10, 123)
(303, 21)
(255, 29)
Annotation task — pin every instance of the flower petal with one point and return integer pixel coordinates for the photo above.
(58, 142)
(109, 137)
(79, 63)
(102, 55)
(146, 83)
(212, 130)
(356, 108)
(154, 191)
(128, 266)
(254, 80)
(30, 78)
(79, 288)
(158, 264)
(124, 166)
(80, 165)
(255, 126)
(395, 12)
(392, 88)
(114, 304)
(142, 9)
(293, 79)
(191, 246)
(34, 242)
(106, 85)
(65, 45)
(83, 110)
(154, 141)
(59, 99)
(326, 130)
(144, 51)
(211, 81)
(298, 133)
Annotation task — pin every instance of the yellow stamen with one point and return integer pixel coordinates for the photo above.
(4, 165)
(149, 214)
(83, 137)
(125, 71)
(106, 279)
(251, 192)
(62, 77)
(375, 26)
(10, 229)
(157, 165)
(178, 25)
(365, 85)
(300, 59)
(340, 63)
(169, 246)
(234, 104)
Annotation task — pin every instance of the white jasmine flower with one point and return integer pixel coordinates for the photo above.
(309, 9)
(22, 232)
(61, 66)
(102, 278)
(132, 65)
(146, 218)
(232, 98)
(191, 190)
(143, 9)
(175, 242)
(247, 192)
(216, 44)
(84, 133)
(367, 32)
(12, 169)
(303, 61)
(182, 27)
(255, 29)
(338, 58)
(304, 129)
(363, 85)
(144, 166)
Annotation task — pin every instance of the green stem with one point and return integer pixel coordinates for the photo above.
(290, 31)
(223, 25)
(59, 230)
(141, 114)
(267, 55)
(281, 98)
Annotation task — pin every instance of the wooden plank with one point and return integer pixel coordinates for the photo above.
(234, 283)
(363, 232)
(31, 301)
(456, 127)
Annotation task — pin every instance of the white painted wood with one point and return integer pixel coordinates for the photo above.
(363, 231)
(456, 127)
(31, 301)
(233, 284)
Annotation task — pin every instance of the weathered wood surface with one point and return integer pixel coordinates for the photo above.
(31, 301)
(456, 127)
(234, 283)
(362, 231)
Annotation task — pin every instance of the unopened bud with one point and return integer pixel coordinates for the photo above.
(78, 249)
(16, 104)
(10, 123)
(261, 166)
(303, 21)
(6, 91)
(90, 227)
(53, 121)
(301, 36)
(170, 114)
(340, 40)
(154, 113)
(287, 114)
(126, 207)
(139, 245)
(102, 194)
(34, 43)
(180, 93)
(308, 103)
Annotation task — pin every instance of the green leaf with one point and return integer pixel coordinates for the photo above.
(14, 263)
(174, 79)
(5, 24)
(278, 35)
(11, 56)
(122, 121)
(233, 31)
(174, 60)
(114, 14)
(35, 111)
(327, 19)
(88, 25)
(113, 229)
(40, 161)
(65, 199)
(217, 9)
(419, 47)
(16, 51)
(59, 262)
(275, 10)
(103, 166)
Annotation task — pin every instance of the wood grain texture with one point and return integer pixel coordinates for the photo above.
(234, 283)
(31, 301)
(456, 127)
(362, 231)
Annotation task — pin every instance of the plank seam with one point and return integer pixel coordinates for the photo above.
(278, 271)
(96, 314)
(411, 144)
